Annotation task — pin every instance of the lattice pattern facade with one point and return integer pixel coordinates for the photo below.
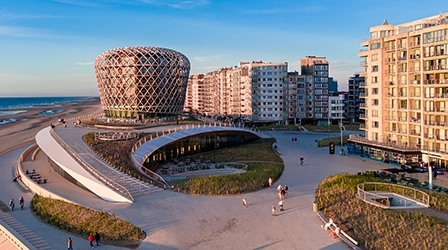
(142, 81)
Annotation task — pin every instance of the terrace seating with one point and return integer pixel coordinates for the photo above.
(36, 177)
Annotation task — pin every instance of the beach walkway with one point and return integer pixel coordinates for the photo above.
(178, 221)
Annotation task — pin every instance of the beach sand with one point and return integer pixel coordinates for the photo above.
(15, 133)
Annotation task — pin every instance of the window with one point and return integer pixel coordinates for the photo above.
(375, 46)
(375, 68)
(375, 91)
(375, 102)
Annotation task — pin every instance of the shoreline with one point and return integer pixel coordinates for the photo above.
(14, 133)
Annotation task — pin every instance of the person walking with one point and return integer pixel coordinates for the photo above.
(90, 239)
(21, 202)
(270, 182)
(274, 212)
(280, 191)
(244, 202)
(280, 204)
(286, 189)
(11, 204)
(69, 244)
(97, 239)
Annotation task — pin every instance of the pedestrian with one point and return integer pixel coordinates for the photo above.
(21, 202)
(280, 191)
(295, 139)
(244, 202)
(90, 239)
(286, 189)
(274, 212)
(97, 239)
(270, 182)
(280, 205)
(69, 244)
(11, 204)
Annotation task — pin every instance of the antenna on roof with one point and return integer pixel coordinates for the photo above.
(385, 22)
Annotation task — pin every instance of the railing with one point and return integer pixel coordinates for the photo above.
(105, 180)
(156, 177)
(436, 81)
(416, 195)
(359, 138)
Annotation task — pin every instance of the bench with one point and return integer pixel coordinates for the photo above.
(352, 243)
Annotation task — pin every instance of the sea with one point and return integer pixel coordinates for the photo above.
(16, 105)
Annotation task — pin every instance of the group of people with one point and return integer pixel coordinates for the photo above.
(91, 239)
(334, 233)
(282, 193)
(12, 203)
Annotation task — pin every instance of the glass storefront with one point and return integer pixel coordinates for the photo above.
(384, 155)
(198, 144)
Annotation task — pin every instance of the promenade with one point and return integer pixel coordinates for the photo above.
(179, 221)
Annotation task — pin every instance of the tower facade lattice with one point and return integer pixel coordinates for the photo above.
(142, 81)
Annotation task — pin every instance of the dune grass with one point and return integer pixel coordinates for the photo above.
(263, 163)
(377, 228)
(81, 221)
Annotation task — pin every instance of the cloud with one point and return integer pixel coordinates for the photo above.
(12, 16)
(207, 58)
(16, 31)
(178, 4)
(84, 63)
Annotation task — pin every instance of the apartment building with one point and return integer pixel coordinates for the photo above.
(356, 89)
(317, 87)
(268, 80)
(406, 92)
(337, 108)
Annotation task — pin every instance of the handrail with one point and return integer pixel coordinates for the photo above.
(105, 180)
(17, 146)
(156, 177)
(393, 188)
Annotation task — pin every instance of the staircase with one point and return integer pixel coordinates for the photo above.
(21, 230)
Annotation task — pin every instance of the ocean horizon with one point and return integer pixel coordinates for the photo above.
(7, 103)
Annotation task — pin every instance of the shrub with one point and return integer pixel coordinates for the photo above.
(81, 220)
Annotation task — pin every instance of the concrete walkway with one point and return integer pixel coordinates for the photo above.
(178, 221)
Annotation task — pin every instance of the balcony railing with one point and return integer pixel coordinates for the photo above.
(439, 95)
(414, 56)
(435, 67)
(436, 81)
(391, 118)
(415, 120)
(389, 60)
(412, 94)
(358, 138)
(389, 71)
(436, 123)
(414, 82)
(434, 109)
(414, 44)
(414, 107)
(389, 95)
(402, 131)
(388, 48)
(403, 82)
(415, 133)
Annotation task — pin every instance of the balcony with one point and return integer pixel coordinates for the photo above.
(403, 131)
(389, 95)
(363, 116)
(389, 60)
(415, 108)
(362, 84)
(363, 126)
(414, 44)
(436, 81)
(439, 95)
(435, 67)
(389, 48)
(362, 105)
(414, 82)
(391, 145)
(363, 64)
(390, 130)
(415, 133)
(389, 83)
(363, 74)
(389, 71)
(389, 106)
(391, 118)
(402, 94)
(434, 110)
(404, 82)
(414, 56)
(436, 123)
(402, 58)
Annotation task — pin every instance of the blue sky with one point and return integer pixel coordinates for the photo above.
(47, 48)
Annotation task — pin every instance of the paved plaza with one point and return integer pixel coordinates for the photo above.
(179, 221)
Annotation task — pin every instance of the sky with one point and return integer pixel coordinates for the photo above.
(47, 47)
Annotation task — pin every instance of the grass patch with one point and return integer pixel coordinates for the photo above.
(263, 163)
(81, 221)
(337, 141)
(116, 153)
(377, 228)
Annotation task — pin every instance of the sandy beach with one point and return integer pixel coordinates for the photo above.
(15, 133)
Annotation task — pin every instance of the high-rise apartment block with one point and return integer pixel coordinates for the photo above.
(356, 89)
(264, 92)
(406, 91)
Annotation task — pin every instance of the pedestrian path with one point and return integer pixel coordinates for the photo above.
(135, 186)
(21, 230)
